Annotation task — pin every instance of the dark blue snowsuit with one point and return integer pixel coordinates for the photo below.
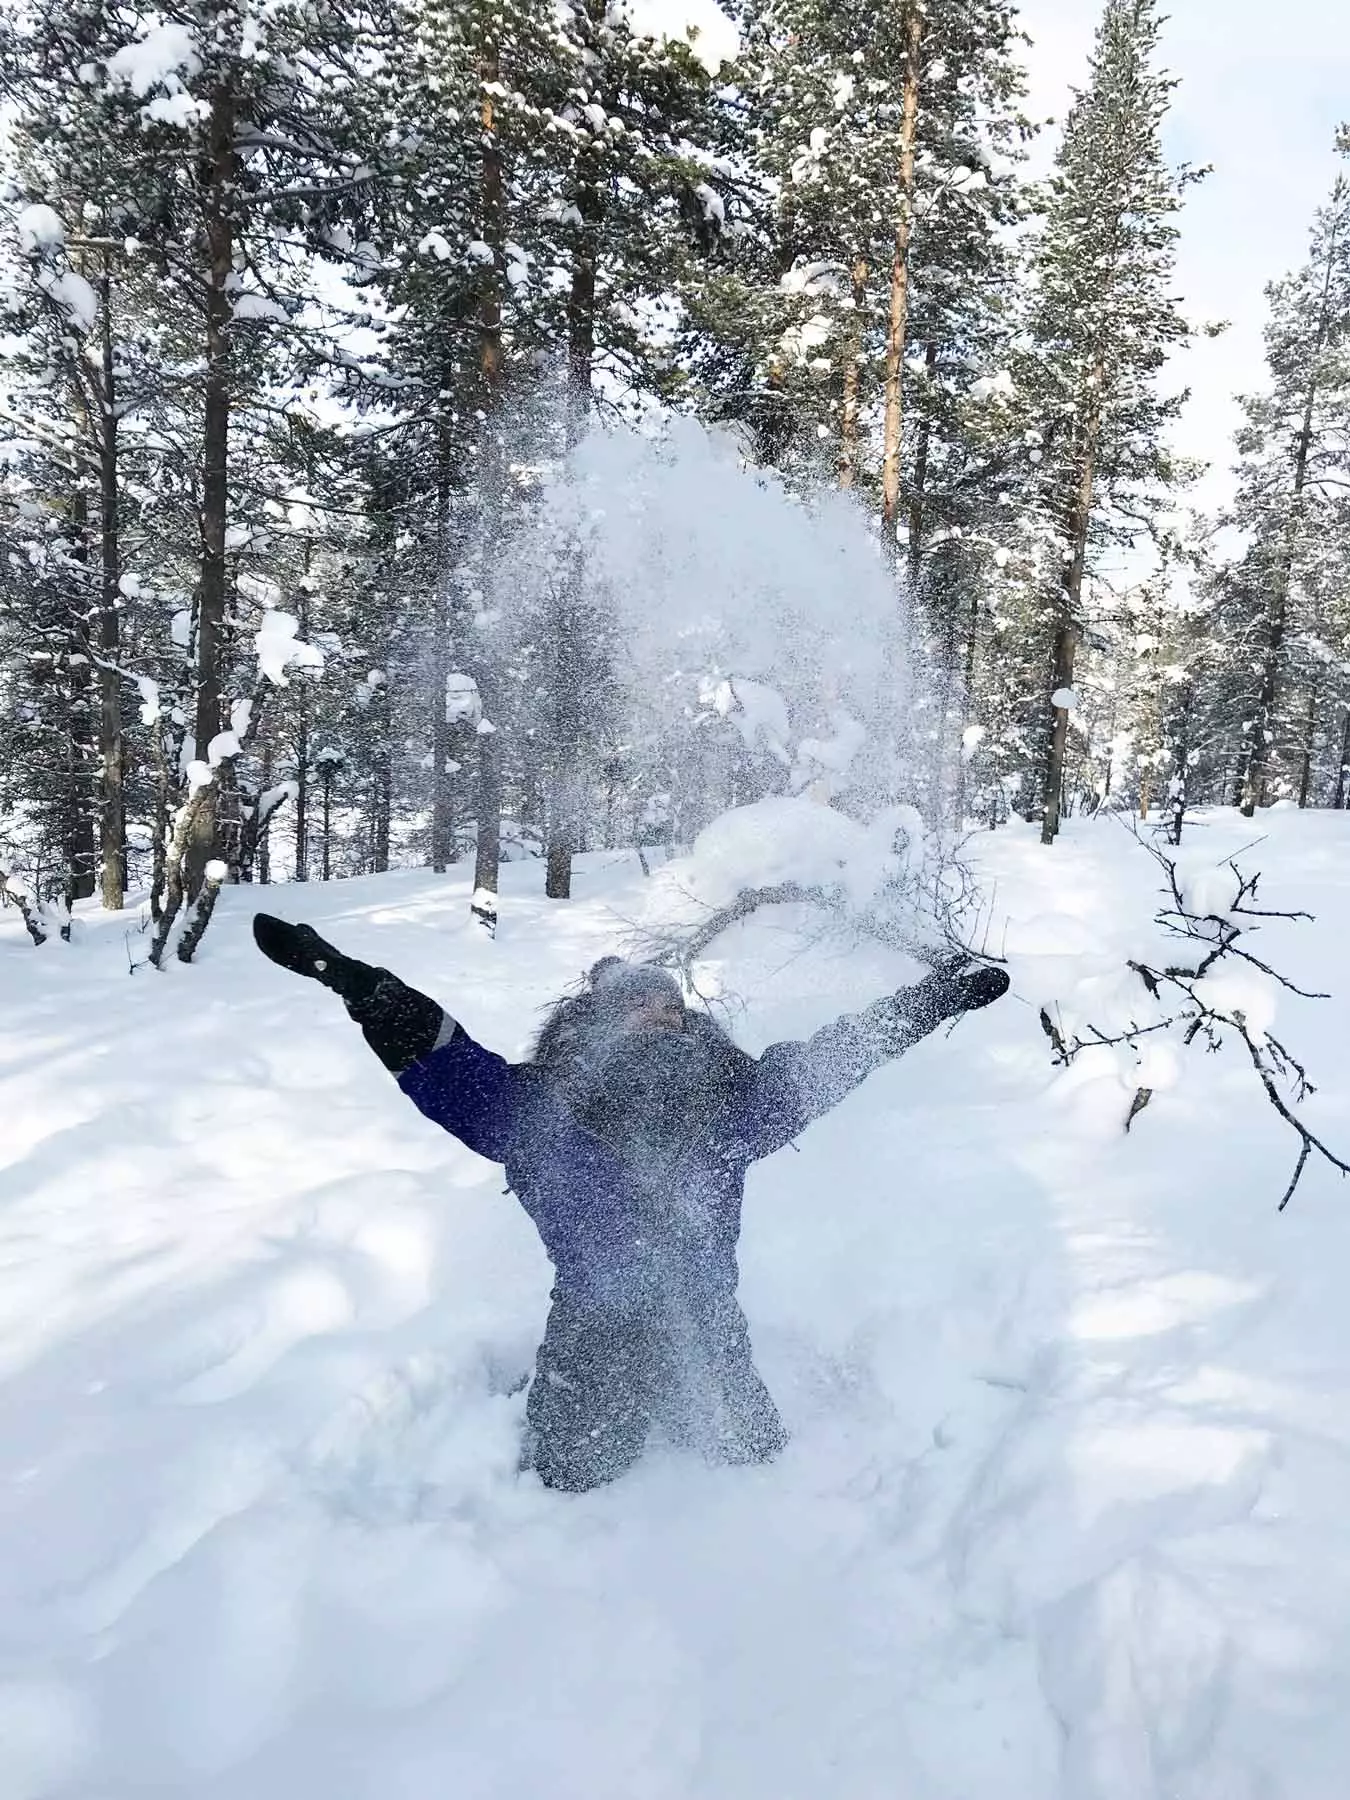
(638, 1200)
(645, 1328)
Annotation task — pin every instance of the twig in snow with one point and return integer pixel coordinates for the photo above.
(1175, 987)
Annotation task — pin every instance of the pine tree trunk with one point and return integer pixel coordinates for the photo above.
(265, 828)
(1309, 737)
(967, 706)
(1277, 609)
(943, 691)
(898, 319)
(442, 798)
(1062, 674)
(918, 498)
(1180, 794)
(1343, 772)
(1069, 629)
(112, 808)
(327, 825)
(159, 853)
(565, 778)
(487, 856)
(384, 788)
(851, 411)
(302, 745)
(80, 845)
(1244, 757)
(212, 586)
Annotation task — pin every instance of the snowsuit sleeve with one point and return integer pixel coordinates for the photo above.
(796, 1082)
(468, 1091)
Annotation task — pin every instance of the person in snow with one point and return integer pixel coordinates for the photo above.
(627, 1135)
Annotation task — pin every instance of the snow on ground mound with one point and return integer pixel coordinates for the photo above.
(1066, 1514)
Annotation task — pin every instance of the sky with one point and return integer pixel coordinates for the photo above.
(1262, 92)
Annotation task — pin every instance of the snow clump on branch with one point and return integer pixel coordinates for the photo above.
(279, 649)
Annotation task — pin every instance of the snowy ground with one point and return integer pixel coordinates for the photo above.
(1067, 1511)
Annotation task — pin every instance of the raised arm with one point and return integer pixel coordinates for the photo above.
(467, 1090)
(794, 1083)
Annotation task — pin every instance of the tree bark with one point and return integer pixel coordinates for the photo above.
(265, 823)
(898, 318)
(1309, 735)
(197, 921)
(79, 846)
(160, 851)
(565, 777)
(1069, 630)
(212, 585)
(1343, 773)
(487, 856)
(918, 498)
(442, 799)
(851, 412)
(967, 706)
(1181, 780)
(302, 743)
(384, 787)
(112, 808)
(1244, 757)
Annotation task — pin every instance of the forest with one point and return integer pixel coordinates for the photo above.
(370, 374)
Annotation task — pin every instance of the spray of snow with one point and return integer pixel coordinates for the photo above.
(463, 704)
(758, 713)
(796, 840)
(724, 590)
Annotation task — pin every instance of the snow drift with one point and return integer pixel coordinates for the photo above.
(1065, 1511)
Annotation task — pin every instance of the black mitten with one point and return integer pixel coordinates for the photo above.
(964, 984)
(400, 1025)
(300, 949)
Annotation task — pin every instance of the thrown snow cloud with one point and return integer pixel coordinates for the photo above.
(715, 569)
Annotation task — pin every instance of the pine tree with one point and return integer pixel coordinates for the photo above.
(1103, 324)
(888, 140)
(1295, 461)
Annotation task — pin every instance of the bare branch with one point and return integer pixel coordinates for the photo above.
(1219, 935)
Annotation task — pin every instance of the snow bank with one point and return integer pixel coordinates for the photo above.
(1066, 1511)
